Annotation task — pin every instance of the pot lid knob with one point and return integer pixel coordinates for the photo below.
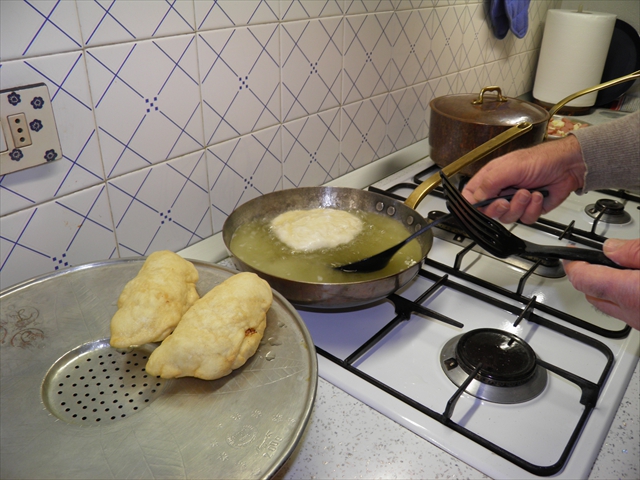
(480, 99)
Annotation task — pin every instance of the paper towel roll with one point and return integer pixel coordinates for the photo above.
(572, 55)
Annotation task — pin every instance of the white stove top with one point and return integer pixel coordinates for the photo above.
(402, 377)
(408, 360)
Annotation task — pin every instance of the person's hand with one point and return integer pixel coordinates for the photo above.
(614, 292)
(556, 166)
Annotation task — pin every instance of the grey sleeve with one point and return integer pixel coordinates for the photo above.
(611, 152)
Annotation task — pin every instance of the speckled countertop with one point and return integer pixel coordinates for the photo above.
(346, 439)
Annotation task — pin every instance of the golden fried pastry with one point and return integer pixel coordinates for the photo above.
(218, 333)
(308, 230)
(151, 304)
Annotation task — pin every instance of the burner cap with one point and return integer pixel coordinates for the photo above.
(506, 359)
(508, 372)
(608, 211)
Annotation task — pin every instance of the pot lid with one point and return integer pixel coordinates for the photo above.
(488, 109)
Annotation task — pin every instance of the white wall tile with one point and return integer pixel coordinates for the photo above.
(164, 207)
(147, 101)
(439, 87)
(471, 19)
(242, 169)
(411, 48)
(364, 133)
(408, 116)
(105, 21)
(352, 7)
(446, 41)
(303, 9)
(215, 14)
(35, 28)
(367, 56)
(414, 4)
(311, 66)
(311, 149)
(80, 166)
(71, 231)
(240, 75)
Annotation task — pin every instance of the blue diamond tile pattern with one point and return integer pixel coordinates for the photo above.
(71, 231)
(156, 83)
(240, 74)
(32, 28)
(233, 180)
(172, 113)
(216, 14)
(367, 56)
(305, 9)
(163, 207)
(111, 21)
(311, 147)
(311, 66)
(364, 128)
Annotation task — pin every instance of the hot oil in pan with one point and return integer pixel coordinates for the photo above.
(255, 244)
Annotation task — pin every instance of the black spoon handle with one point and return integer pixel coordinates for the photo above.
(570, 253)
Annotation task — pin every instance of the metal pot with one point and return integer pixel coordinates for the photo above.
(459, 123)
(356, 293)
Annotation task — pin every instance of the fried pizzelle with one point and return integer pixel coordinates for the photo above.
(151, 304)
(309, 230)
(218, 333)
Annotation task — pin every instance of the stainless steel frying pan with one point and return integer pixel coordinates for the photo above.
(356, 293)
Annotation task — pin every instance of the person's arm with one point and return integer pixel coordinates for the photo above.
(611, 153)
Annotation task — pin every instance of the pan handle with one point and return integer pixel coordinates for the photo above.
(476, 154)
(602, 86)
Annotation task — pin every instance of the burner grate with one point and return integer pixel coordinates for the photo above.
(405, 309)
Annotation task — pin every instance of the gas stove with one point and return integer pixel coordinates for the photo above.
(500, 362)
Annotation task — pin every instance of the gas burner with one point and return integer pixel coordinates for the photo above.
(608, 211)
(507, 373)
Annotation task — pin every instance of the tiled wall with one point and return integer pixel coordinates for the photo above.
(172, 113)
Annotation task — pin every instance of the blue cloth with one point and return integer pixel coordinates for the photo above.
(508, 15)
(518, 13)
(499, 18)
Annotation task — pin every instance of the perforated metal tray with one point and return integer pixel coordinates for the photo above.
(71, 406)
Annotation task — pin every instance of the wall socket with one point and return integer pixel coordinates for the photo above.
(29, 133)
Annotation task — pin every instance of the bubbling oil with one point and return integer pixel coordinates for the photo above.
(257, 246)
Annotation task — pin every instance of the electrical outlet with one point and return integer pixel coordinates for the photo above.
(19, 130)
(29, 132)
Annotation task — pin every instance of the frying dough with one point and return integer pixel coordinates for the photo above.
(218, 333)
(309, 230)
(153, 302)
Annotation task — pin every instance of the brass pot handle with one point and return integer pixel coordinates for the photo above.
(480, 99)
(602, 86)
(477, 153)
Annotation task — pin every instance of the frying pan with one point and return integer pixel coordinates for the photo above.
(357, 293)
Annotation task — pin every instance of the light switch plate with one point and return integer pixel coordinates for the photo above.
(29, 132)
